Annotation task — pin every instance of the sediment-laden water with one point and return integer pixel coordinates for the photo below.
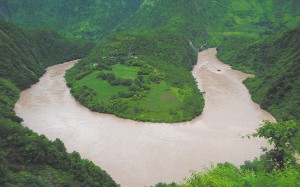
(137, 154)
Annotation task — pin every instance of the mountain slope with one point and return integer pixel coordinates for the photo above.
(92, 19)
(215, 22)
(25, 54)
(275, 63)
(200, 20)
(249, 20)
(180, 17)
(28, 159)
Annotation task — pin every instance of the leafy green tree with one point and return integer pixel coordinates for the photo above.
(281, 136)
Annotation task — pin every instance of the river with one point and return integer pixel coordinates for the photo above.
(136, 154)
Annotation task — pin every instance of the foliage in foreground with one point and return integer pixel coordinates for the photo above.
(281, 135)
(227, 175)
(276, 167)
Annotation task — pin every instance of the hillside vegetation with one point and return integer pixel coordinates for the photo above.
(200, 20)
(28, 159)
(228, 175)
(91, 19)
(26, 54)
(275, 61)
(215, 22)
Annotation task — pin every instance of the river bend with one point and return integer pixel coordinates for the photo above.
(136, 153)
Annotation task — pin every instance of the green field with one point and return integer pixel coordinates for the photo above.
(160, 103)
(103, 89)
(125, 72)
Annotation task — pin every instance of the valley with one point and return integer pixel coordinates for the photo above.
(169, 93)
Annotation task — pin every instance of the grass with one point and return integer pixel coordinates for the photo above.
(125, 72)
(160, 98)
(102, 88)
(159, 103)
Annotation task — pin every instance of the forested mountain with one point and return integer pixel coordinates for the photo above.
(200, 20)
(89, 19)
(216, 21)
(28, 159)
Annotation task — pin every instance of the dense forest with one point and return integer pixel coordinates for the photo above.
(135, 36)
(91, 19)
(201, 21)
(29, 159)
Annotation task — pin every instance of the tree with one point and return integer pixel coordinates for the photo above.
(281, 135)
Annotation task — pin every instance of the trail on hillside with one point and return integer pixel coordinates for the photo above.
(136, 153)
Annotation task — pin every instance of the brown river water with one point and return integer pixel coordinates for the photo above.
(136, 154)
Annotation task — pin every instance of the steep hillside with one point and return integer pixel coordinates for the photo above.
(243, 20)
(179, 17)
(200, 20)
(215, 22)
(275, 62)
(28, 159)
(26, 54)
(92, 19)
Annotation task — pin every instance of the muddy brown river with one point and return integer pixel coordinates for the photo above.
(136, 154)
